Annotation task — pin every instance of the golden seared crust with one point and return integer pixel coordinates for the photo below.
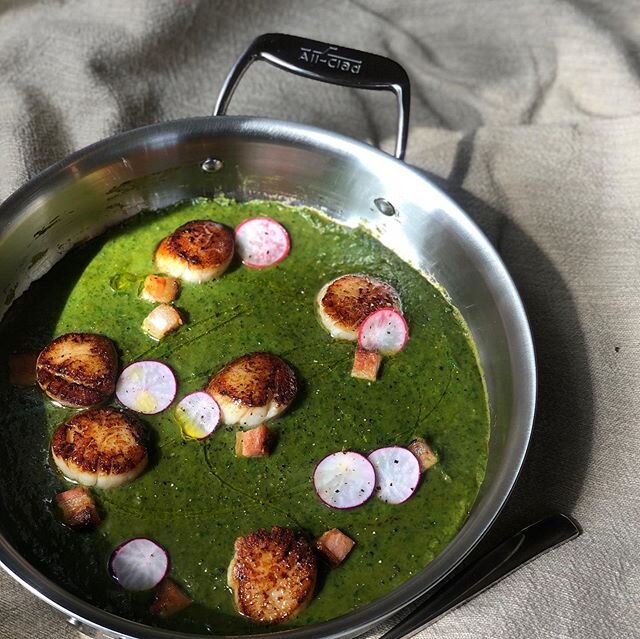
(78, 369)
(255, 379)
(272, 575)
(350, 298)
(201, 244)
(100, 441)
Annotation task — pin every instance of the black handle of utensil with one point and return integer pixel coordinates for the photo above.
(477, 575)
(326, 63)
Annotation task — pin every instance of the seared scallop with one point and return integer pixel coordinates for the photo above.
(78, 369)
(345, 302)
(253, 388)
(197, 251)
(272, 575)
(101, 447)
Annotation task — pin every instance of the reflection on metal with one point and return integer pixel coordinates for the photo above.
(385, 207)
(212, 165)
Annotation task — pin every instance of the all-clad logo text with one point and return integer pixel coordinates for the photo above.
(332, 60)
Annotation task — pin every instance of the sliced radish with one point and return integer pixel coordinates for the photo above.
(397, 473)
(146, 387)
(261, 241)
(139, 564)
(198, 415)
(384, 331)
(344, 479)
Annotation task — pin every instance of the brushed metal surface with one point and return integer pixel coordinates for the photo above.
(155, 166)
(329, 63)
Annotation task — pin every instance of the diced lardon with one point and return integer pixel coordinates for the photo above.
(163, 319)
(335, 546)
(366, 364)
(197, 251)
(78, 369)
(169, 599)
(345, 302)
(253, 388)
(162, 290)
(77, 508)
(272, 575)
(22, 368)
(255, 442)
(101, 447)
(426, 456)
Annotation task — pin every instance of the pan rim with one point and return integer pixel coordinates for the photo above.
(281, 132)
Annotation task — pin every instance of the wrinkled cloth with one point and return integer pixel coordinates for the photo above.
(527, 113)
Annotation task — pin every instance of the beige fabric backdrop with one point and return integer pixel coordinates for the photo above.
(529, 114)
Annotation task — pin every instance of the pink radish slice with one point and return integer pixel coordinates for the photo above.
(139, 564)
(384, 331)
(397, 473)
(261, 241)
(344, 479)
(146, 387)
(198, 415)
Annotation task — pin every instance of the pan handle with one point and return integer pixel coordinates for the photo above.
(326, 63)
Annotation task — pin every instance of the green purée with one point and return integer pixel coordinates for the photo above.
(197, 497)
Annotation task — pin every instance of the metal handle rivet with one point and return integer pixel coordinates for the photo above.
(384, 206)
(211, 165)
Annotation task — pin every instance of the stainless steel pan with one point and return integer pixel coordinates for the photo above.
(248, 157)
